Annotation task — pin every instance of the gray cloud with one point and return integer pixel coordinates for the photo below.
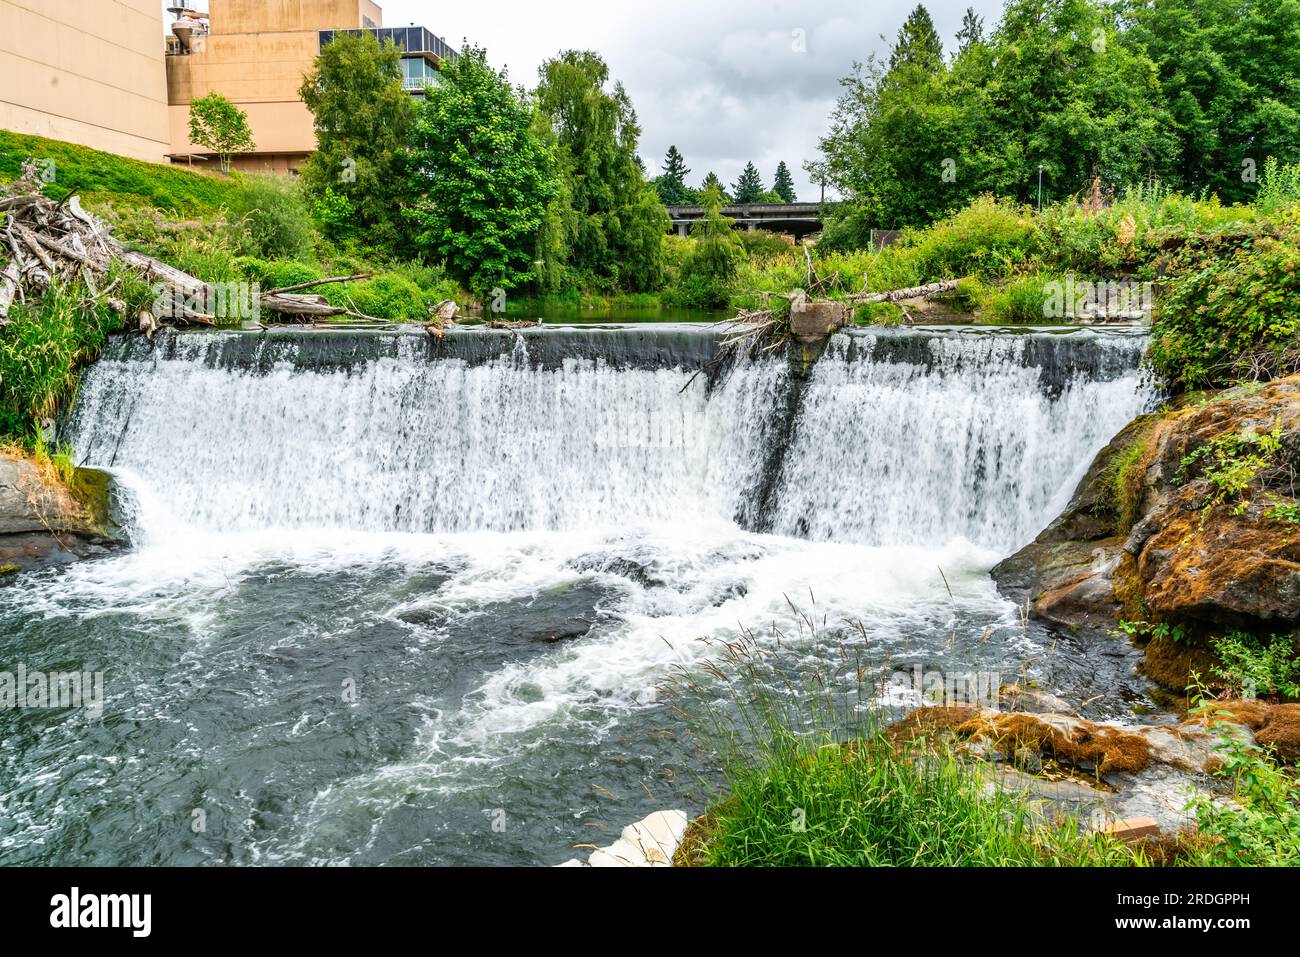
(723, 80)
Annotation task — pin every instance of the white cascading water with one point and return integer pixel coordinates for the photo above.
(971, 443)
(404, 444)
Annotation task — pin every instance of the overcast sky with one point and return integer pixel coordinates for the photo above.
(722, 79)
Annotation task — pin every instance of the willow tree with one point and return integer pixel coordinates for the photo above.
(615, 222)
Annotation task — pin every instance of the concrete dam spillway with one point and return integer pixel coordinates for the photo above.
(503, 540)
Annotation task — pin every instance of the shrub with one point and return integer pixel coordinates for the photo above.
(387, 296)
(1022, 300)
(1252, 667)
(1128, 235)
(987, 239)
(279, 273)
(1225, 317)
(273, 218)
(1279, 186)
(1261, 827)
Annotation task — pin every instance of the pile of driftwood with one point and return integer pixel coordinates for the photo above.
(43, 241)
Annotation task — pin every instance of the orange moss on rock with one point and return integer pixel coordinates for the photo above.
(1171, 664)
(1219, 565)
(1074, 742)
(930, 723)
(1275, 726)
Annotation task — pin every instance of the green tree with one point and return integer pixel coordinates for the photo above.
(749, 188)
(617, 221)
(711, 181)
(709, 273)
(1230, 72)
(362, 117)
(483, 176)
(220, 127)
(1051, 85)
(971, 32)
(783, 185)
(918, 43)
(672, 182)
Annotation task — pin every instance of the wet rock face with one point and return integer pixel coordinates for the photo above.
(1192, 558)
(43, 523)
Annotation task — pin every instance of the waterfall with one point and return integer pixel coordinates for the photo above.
(905, 438)
(913, 439)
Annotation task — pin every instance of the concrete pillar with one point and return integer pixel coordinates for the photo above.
(752, 227)
(682, 230)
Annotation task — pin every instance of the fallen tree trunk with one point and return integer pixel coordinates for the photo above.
(321, 282)
(911, 292)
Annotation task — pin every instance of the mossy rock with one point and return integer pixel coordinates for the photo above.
(1171, 664)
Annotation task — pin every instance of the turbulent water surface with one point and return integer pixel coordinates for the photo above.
(393, 601)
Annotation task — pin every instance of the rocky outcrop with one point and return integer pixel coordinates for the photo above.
(1100, 771)
(1187, 517)
(44, 522)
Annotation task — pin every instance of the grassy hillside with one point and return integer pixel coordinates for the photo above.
(129, 182)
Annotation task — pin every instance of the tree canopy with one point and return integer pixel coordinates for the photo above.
(482, 175)
(218, 125)
(1068, 84)
(749, 188)
(615, 219)
(362, 118)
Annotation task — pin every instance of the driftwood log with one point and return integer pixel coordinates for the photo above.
(911, 292)
(43, 241)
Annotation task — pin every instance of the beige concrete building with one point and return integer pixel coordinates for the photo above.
(255, 53)
(85, 71)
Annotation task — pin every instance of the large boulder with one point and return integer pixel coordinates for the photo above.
(1154, 533)
(43, 521)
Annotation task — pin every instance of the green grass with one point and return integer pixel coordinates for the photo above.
(813, 801)
(1122, 482)
(46, 344)
(94, 174)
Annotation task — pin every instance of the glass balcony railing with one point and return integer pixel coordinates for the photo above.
(409, 39)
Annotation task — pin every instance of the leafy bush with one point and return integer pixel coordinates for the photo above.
(1127, 236)
(987, 239)
(1225, 317)
(1022, 300)
(273, 218)
(279, 273)
(708, 276)
(387, 296)
(1261, 827)
(1252, 667)
(1231, 463)
(1279, 186)
(761, 244)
